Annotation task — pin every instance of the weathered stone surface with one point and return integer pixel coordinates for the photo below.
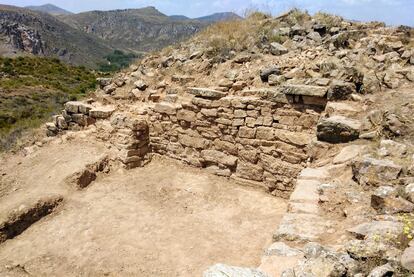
(221, 270)
(218, 157)
(72, 106)
(166, 108)
(141, 85)
(304, 90)
(339, 108)
(206, 93)
(301, 227)
(340, 90)
(407, 259)
(61, 123)
(305, 191)
(382, 271)
(249, 171)
(276, 166)
(369, 171)
(265, 133)
(385, 200)
(246, 132)
(377, 228)
(348, 153)
(102, 112)
(83, 120)
(296, 138)
(409, 191)
(318, 174)
(392, 148)
(278, 258)
(338, 129)
(278, 49)
(186, 115)
(266, 72)
(195, 142)
(103, 82)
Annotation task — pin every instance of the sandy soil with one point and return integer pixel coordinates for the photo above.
(165, 219)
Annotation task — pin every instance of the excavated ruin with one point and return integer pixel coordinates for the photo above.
(323, 118)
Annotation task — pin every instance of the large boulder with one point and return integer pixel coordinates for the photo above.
(369, 171)
(222, 270)
(338, 129)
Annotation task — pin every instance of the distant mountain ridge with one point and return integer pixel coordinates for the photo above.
(49, 8)
(134, 30)
(219, 17)
(87, 38)
(24, 31)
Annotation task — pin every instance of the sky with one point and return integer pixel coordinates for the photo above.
(393, 12)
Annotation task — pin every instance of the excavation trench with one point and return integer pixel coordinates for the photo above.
(21, 219)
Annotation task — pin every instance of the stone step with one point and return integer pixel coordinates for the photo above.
(278, 258)
(306, 191)
(301, 228)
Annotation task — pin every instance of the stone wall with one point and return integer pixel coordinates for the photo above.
(260, 137)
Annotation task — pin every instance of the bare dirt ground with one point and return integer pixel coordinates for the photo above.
(165, 219)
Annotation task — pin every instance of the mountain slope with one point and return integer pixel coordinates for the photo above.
(216, 17)
(134, 30)
(48, 8)
(23, 31)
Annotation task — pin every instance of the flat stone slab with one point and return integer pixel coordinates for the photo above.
(304, 90)
(303, 208)
(102, 112)
(348, 153)
(377, 228)
(301, 227)
(306, 191)
(206, 93)
(319, 174)
(222, 270)
(272, 95)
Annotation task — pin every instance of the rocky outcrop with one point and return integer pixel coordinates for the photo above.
(22, 38)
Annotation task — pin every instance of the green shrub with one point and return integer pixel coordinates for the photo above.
(117, 60)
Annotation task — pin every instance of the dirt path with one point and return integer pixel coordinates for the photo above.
(162, 220)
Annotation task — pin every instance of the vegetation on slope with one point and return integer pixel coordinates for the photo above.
(32, 89)
(117, 61)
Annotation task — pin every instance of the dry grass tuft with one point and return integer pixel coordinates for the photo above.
(328, 19)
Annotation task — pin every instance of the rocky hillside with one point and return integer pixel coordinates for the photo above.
(23, 31)
(134, 30)
(48, 8)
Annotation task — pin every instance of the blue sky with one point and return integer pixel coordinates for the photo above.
(391, 11)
